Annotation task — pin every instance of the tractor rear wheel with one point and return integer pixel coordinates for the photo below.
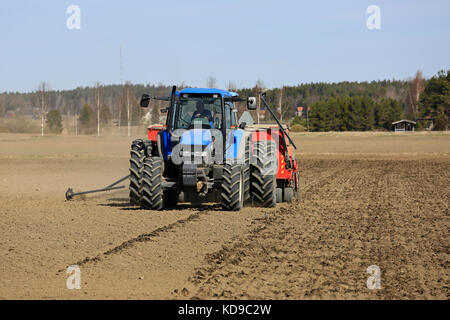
(264, 174)
(232, 187)
(151, 191)
(136, 164)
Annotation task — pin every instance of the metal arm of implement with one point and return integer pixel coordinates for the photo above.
(70, 194)
(276, 119)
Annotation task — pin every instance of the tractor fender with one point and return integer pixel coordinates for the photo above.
(245, 138)
(236, 147)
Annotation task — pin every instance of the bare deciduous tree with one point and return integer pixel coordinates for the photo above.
(180, 86)
(98, 103)
(74, 109)
(280, 104)
(258, 89)
(232, 86)
(416, 87)
(128, 97)
(211, 82)
(126, 102)
(42, 98)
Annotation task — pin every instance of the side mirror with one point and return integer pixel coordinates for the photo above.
(251, 103)
(164, 110)
(242, 125)
(145, 100)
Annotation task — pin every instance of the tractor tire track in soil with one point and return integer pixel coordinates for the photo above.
(145, 237)
(352, 214)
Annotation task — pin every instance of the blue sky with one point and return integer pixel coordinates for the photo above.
(280, 42)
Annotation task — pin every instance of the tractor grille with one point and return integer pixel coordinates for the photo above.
(195, 154)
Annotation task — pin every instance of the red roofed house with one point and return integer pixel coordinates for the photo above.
(301, 111)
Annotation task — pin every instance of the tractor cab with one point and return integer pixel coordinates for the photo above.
(205, 108)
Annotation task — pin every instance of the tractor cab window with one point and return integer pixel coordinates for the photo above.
(202, 111)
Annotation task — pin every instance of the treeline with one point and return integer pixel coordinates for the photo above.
(72, 101)
(353, 114)
(333, 106)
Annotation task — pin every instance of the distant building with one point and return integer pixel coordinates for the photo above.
(10, 114)
(302, 111)
(403, 125)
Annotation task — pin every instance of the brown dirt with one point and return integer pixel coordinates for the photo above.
(374, 204)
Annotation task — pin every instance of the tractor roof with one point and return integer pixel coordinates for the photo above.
(223, 93)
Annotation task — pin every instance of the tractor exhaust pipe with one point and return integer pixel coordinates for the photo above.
(70, 194)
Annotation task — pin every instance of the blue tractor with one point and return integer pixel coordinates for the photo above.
(203, 155)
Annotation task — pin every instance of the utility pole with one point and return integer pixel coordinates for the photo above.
(42, 112)
(42, 96)
(121, 84)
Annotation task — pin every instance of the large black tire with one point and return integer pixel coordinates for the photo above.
(136, 165)
(151, 191)
(232, 187)
(264, 174)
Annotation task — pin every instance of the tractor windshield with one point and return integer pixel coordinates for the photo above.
(198, 111)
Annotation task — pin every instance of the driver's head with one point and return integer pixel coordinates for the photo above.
(200, 106)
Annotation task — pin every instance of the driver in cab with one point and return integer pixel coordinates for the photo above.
(201, 112)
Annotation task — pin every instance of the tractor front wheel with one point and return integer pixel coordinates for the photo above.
(151, 191)
(136, 165)
(232, 187)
